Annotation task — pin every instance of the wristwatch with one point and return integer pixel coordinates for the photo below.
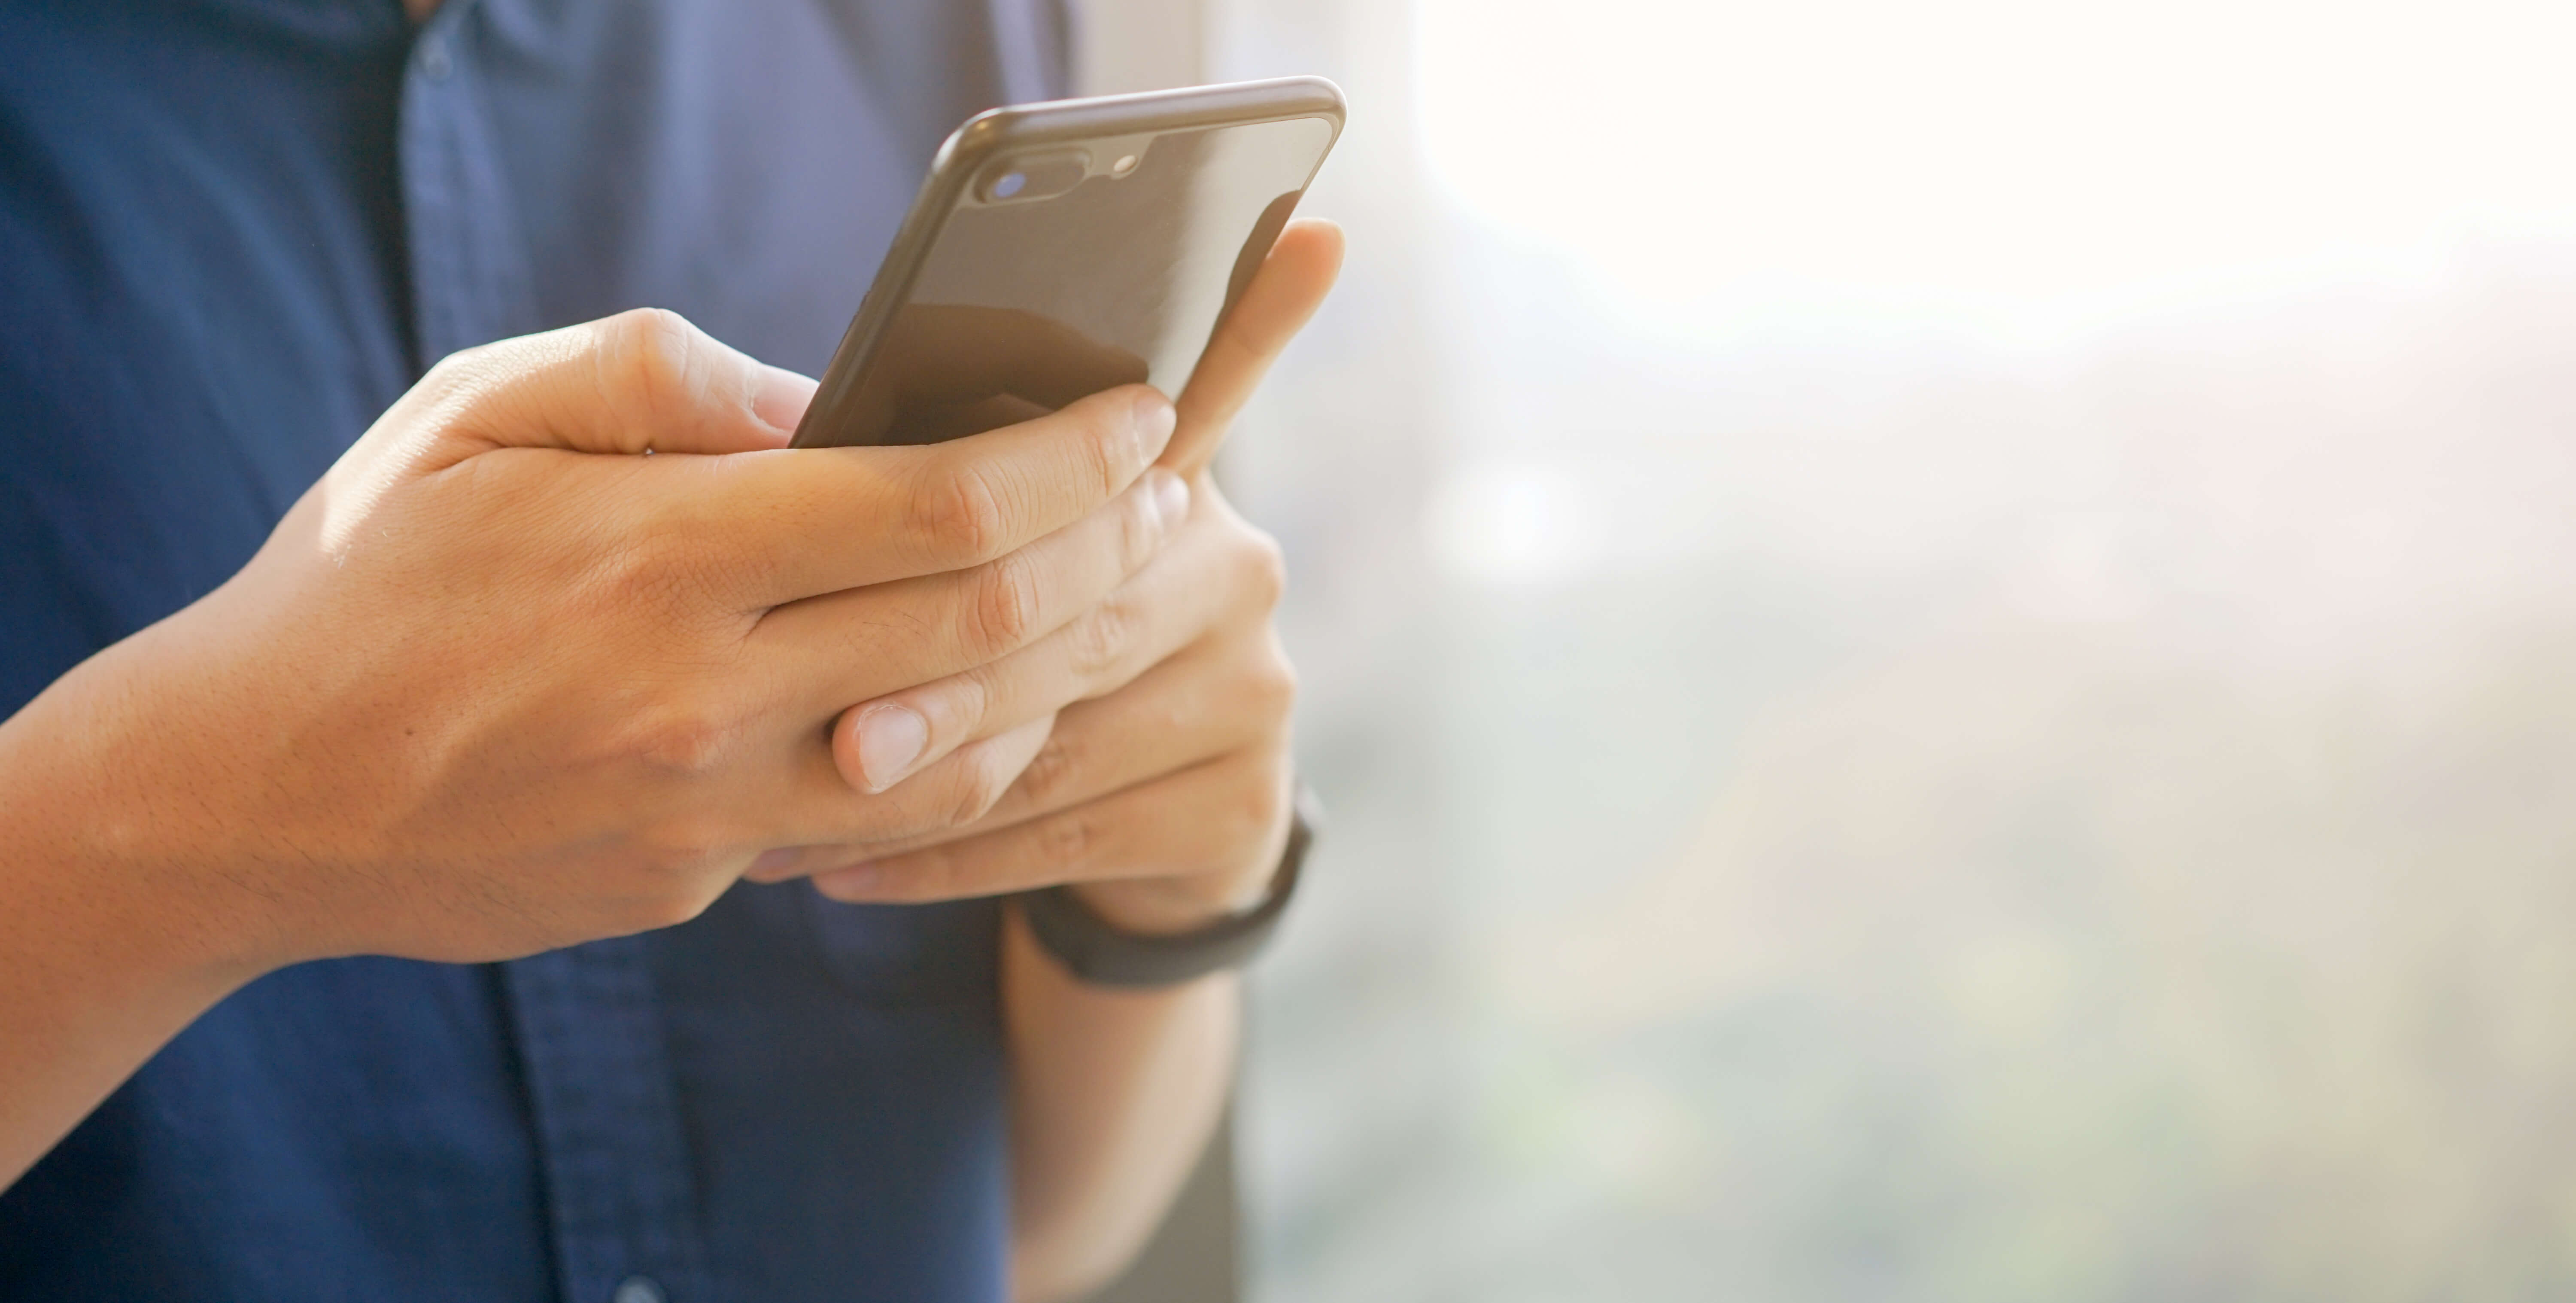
(1105, 955)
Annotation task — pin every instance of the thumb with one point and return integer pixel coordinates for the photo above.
(640, 381)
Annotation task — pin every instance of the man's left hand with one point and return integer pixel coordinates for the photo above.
(1164, 790)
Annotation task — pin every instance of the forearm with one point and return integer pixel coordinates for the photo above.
(102, 959)
(1115, 1093)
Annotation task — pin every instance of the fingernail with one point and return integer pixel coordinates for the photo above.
(891, 737)
(1171, 498)
(855, 881)
(1155, 419)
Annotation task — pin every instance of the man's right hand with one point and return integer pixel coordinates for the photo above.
(502, 682)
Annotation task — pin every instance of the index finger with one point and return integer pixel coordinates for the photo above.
(1294, 278)
(791, 523)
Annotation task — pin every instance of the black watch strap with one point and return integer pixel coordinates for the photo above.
(1093, 950)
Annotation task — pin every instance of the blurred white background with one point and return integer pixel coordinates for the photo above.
(1940, 640)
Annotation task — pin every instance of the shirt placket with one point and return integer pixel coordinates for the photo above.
(619, 1197)
(470, 275)
(616, 1160)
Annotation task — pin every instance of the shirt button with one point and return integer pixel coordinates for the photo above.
(435, 65)
(637, 1289)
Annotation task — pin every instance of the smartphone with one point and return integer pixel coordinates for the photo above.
(1064, 248)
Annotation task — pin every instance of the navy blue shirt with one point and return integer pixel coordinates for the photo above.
(231, 233)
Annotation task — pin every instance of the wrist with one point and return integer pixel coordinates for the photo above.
(1099, 951)
(108, 947)
(1174, 904)
(119, 856)
(1170, 906)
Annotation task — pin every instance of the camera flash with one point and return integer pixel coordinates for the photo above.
(1126, 163)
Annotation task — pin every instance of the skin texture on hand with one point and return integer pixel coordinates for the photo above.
(1164, 790)
(501, 683)
(594, 687)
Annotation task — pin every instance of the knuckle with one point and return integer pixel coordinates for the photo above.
(1104, 452)
(632, 568)
(979, 788)
(927, 876)
(1099, 644)
(648, 571)
(1002, 607)
(648, 349)
(687, 742)
(1067, 839)
(645, 361)
(1140, 528)
(675, 848)
(1261, 568)
(1050, 774)
(969, 700)
(671, 908)
(957, 515)
(1270, 682)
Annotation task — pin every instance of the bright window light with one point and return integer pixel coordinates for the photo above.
(2020, 169)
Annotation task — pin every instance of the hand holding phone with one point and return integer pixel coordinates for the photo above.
(1164, 784)
(1060, 249)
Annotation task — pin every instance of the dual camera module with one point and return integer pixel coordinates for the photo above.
(1045, 175)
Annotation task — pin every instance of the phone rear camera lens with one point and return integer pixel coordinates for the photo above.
(1033, 176)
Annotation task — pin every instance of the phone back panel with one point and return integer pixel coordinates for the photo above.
(1058, 250)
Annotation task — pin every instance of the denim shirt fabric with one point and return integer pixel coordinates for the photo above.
(231, 233)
